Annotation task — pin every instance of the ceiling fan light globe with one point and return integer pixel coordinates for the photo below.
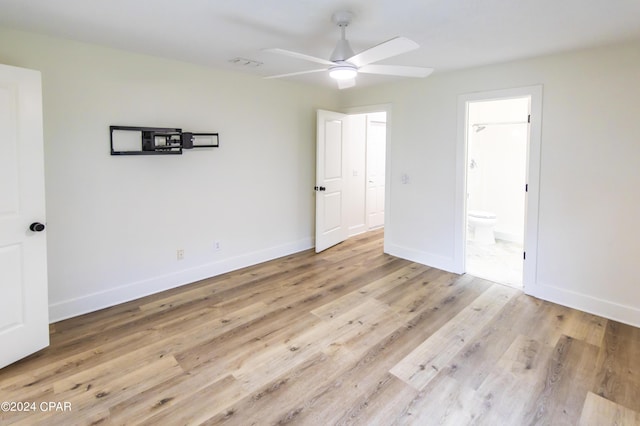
(342, 72)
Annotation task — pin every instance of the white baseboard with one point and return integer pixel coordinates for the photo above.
(583, 302)
(125, 293)
(357, 229)
(605, 308)
(425, 258)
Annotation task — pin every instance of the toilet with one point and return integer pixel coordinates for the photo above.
(481, 225)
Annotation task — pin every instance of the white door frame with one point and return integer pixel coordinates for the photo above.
(369, 109)
(532, 197)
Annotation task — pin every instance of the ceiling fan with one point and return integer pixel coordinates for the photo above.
(344, 65)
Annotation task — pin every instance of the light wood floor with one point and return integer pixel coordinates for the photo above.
(349, 336)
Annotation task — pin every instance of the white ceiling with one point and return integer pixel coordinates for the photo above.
(453, 34)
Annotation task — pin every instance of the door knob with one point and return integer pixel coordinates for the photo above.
(36, 227)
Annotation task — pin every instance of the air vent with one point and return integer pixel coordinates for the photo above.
(245, 62)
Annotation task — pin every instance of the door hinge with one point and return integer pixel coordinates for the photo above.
(529, 118)
(526, 187)
(524, 255)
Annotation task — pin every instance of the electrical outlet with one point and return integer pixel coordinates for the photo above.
(180, 254)
(216, 245)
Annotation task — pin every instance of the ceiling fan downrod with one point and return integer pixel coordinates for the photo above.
(343, 50)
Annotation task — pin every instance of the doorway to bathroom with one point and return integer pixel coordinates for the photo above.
(498, 185)
(497, 145)
(497, 140)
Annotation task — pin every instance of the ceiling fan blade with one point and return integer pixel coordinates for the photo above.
(384, 50)
(345, 84)
(299, 56)
(399, 70)
(291, 74)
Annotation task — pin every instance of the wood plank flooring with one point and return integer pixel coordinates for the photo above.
(348, 336)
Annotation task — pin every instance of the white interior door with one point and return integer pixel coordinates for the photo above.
(24, 315)
(331, 213)
(376, 148)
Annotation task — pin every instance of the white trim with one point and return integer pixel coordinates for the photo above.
(357, 229)
(584, 302)
(533, 195)
(533, 177)
(423, 257)
(459, 228)
(100, 300)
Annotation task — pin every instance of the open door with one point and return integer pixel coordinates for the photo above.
(24, 314)
(331, 214)
(376, 161)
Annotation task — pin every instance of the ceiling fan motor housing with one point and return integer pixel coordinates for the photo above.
(342, 52)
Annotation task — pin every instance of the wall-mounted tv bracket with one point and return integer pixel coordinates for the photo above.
(128, 140)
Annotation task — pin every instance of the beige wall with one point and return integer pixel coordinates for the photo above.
(115, 223)
(590, 161)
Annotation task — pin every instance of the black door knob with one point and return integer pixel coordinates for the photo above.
(37, 227)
